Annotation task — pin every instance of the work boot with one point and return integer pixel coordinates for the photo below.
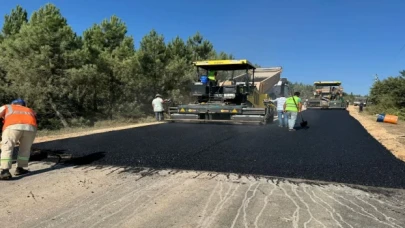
(5, 174)
(20, 171)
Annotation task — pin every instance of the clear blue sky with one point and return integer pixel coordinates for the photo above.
(347, 40)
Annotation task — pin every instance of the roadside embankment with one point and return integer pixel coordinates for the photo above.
(392, 136)
(89, 131)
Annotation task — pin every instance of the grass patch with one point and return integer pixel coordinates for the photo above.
(380, 109)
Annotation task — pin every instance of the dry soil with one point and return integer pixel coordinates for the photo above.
(109, 196)
(392, 136)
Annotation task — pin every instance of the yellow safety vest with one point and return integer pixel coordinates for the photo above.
(211, 76)
(290, 105)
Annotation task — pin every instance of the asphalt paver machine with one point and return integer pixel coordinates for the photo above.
(243, 98)
(327, 95)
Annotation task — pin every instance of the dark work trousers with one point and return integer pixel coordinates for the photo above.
(159, 116)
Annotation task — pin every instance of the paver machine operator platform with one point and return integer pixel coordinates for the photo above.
(220, 96)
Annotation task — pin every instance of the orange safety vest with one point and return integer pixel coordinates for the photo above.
(17, 114)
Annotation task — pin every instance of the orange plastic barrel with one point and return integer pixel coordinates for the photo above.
(391, 119)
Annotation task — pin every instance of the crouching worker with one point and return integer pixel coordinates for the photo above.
(20, 125)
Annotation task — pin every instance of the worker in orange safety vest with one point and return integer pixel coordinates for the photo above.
(20, 126)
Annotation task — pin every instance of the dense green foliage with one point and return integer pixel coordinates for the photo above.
(305, 90)
(75, 80)
(70, 79)
(387, 96)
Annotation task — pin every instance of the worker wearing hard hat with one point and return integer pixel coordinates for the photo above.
(292, 106)
(157, 105)
(20, 126)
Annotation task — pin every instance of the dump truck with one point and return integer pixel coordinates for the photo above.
(244, 98)
(327, 95)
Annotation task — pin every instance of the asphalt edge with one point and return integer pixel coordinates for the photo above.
(92, 132)
(397, 155)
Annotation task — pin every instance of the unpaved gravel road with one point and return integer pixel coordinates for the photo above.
(233, 187)
(97, 197)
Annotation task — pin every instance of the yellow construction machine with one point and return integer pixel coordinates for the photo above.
(244, 98)
(327, 95)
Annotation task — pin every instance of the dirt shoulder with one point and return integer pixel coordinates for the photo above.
(89, 131)
(392, 136)
(116, 197)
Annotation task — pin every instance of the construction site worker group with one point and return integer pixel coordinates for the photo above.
(20, 127)
(288, 109)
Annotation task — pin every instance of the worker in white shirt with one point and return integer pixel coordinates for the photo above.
(282, 117)
(157, 105)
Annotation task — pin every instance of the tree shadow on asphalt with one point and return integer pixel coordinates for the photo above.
(334, 148)
(60, 160)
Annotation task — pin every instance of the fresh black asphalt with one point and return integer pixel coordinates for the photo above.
(334, 148)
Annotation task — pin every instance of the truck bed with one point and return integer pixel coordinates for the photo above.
(265, 78)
